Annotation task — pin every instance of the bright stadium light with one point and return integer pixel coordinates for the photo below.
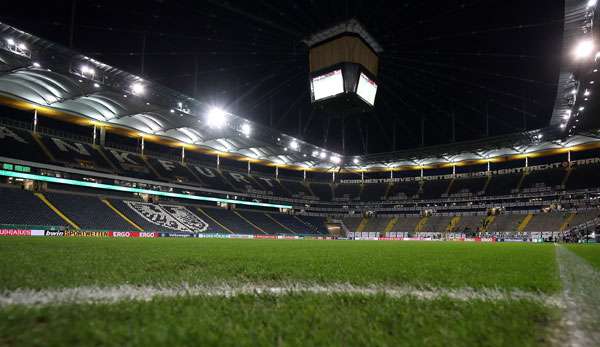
(138, 88)
(294, 145)
(335, 159)
(216, 118)
(96, 85)
(323, 155)
(315, 154)
(10, 42)
(36, 64)
(581, 108)
(591, 3)
(22, 46)
(355, 161)
(587, 93)
(246, 129)
(86, 70)
(584, 49)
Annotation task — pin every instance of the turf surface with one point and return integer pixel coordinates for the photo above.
(589, 252)
(62, 262)
(296, 320)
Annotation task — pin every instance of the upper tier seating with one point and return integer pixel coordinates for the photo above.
(296, 188)
(503, 184)
(173, 171)
(583, 177)
(467, 186)
(404, 189)
(88, 212)
(21, 207)
(373, 191)
(76, 154)
(548, 178)
(434, 189)
(322, 190)
(128, 163)
(20, 144)
(346, 190)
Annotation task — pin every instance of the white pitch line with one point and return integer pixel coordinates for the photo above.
(581, 297)
(88, 294)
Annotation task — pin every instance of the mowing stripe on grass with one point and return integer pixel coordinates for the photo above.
(82, 295)
(581, 297)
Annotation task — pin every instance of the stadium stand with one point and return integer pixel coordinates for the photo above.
(75, 154)
(347, 191)
(315, 224)
(503, 184)
(403, 190)
(373, 191)
(322, 190)
(538, 180)
(467, 186)
(232, 221)
(406, 224)
(263, 222)
(434, 189)
(546, 222)
(89, 212)
(292, 223)
(505, 222)
(21, 207)
(583, 177)
(437, 224)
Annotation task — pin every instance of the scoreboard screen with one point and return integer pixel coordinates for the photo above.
(366, 89)
(327, 85)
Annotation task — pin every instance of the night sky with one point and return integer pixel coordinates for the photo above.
(464, 58)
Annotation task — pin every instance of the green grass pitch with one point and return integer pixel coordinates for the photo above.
(300, 319)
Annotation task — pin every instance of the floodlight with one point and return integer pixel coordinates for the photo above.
(587, 93)
(216, 118)
(138, 88)
(563, 125)
(10, 42)
(36, 64)
(591, 3)
(246, 129)
(355, 161)
(581, 108)
(323, 155)
(86, 70)
(574, 91)
(96, 85)
(584, 49)
(294, 145)
(335, 159)
(22, 46)
(315, 154)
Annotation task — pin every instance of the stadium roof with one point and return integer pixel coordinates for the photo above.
(47, 74)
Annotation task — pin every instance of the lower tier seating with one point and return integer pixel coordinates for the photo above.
(21, 207)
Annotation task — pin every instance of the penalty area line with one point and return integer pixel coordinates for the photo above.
(114, 294)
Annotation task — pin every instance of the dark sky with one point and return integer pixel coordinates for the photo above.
(468, 58)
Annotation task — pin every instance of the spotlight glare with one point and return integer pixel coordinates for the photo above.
(584, 49)
(591, 3)
(96, 85)
(355, 161)
(22, 46)
(10, 42)
(323, 155)
(335, 159)
(294, 145)
(315, 154)
(216, 118)
(36, 64)
(138, 88)
(86, 70)
(246, 129)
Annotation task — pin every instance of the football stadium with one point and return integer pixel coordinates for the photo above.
(300, 173)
